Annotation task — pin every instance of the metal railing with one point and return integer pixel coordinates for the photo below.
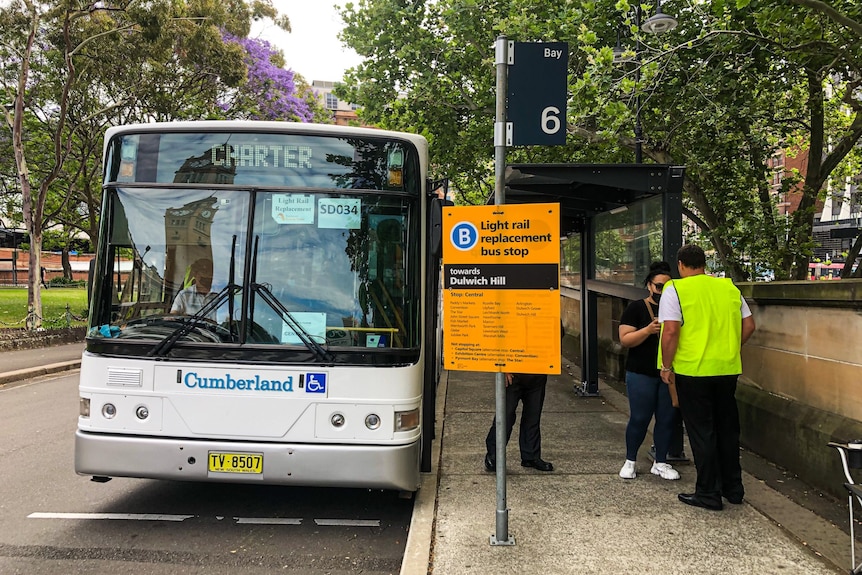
(33, 321)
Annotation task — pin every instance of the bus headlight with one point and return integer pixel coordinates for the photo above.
(142, 412)
(372, 421)
(84, 407)
(337, 420)
(406, 420)
(109, 410)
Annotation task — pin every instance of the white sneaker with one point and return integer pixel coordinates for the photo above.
(628, 470)
(664, 470)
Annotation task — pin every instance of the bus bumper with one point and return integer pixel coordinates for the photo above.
(328, 465)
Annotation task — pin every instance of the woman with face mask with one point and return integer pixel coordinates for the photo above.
(648, 394)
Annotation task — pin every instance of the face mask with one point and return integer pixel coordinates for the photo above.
(656, 297)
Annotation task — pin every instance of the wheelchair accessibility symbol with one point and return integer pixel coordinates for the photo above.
(315, 383)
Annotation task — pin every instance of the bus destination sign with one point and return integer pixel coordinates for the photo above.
(501, 288)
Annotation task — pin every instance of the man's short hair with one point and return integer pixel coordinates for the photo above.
(691, 256)
(202, 266)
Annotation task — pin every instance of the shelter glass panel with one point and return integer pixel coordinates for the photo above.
(628, 241)
(570, 261)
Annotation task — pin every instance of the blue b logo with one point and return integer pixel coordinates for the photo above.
(464, 236)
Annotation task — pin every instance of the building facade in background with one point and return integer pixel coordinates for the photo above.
(343, 113)
(837, 219)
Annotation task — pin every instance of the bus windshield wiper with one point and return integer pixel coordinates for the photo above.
(198, 319)
(321, 353)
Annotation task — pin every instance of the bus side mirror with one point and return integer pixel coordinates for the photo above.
(435, 226)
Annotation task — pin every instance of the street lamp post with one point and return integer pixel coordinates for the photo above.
(639, 153)
(658, 23)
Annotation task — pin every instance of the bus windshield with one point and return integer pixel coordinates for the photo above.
(284, 241)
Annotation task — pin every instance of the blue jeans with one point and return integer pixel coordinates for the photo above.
(648, 397)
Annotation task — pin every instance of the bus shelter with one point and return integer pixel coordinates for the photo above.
(615, 220)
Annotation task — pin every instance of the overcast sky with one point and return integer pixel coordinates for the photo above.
(313, 48)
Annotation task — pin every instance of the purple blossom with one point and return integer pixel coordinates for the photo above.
(270, 92)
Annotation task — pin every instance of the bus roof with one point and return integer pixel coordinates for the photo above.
(259, 126)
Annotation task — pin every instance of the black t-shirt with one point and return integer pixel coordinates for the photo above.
(642, 358)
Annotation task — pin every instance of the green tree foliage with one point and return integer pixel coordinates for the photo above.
(69, 69)
(720, 94)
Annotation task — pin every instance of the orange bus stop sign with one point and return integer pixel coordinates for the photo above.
(501, 288)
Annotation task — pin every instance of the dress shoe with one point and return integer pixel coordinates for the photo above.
(695, 501)
(735, 499)
(539, 464)
(490, 463)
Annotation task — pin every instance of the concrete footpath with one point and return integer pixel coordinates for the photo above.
(23, 364)
(583, 518)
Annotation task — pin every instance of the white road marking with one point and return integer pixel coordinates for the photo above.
(122, 516)
(239, 520)
(269, 520)
(348, 522)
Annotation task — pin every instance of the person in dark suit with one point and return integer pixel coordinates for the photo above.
(529, 389)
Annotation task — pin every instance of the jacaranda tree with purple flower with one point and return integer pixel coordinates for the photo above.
(270, 92)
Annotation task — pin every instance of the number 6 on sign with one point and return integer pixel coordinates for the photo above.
(550, 121)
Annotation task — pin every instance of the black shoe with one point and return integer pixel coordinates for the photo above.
(735, 499)
(695, 501)
(490, 463)
(679, 458)
(539, 464)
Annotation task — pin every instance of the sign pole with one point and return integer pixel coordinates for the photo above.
(501, 537)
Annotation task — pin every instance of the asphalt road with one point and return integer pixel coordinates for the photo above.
(53, 521)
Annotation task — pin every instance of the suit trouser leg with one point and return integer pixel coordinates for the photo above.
(727, 431)
(513, 394)
(698, 413)
(676, 439)
(530, 435)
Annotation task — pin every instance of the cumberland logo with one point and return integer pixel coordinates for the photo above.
(310, 382)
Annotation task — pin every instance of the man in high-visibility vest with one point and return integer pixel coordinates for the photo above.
(705, 321)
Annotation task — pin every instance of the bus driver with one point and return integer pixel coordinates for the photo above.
(191, 299)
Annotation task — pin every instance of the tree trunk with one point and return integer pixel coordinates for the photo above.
(714, 222)
(34, 279)
(67, 267)
(32, 221)
(709, 222)
(818, 170)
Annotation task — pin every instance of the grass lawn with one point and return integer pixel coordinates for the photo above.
(13, 306)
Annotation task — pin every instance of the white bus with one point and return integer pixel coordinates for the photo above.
(275, 321)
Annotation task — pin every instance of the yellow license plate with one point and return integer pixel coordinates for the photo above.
(223, 462)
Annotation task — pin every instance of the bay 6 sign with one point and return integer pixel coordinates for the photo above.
(537, 93)
(501, 288)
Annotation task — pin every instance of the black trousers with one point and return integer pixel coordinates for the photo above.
(676, 439)
(529, 389)
(709, 410)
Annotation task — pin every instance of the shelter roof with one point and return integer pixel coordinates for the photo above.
(585, 190)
